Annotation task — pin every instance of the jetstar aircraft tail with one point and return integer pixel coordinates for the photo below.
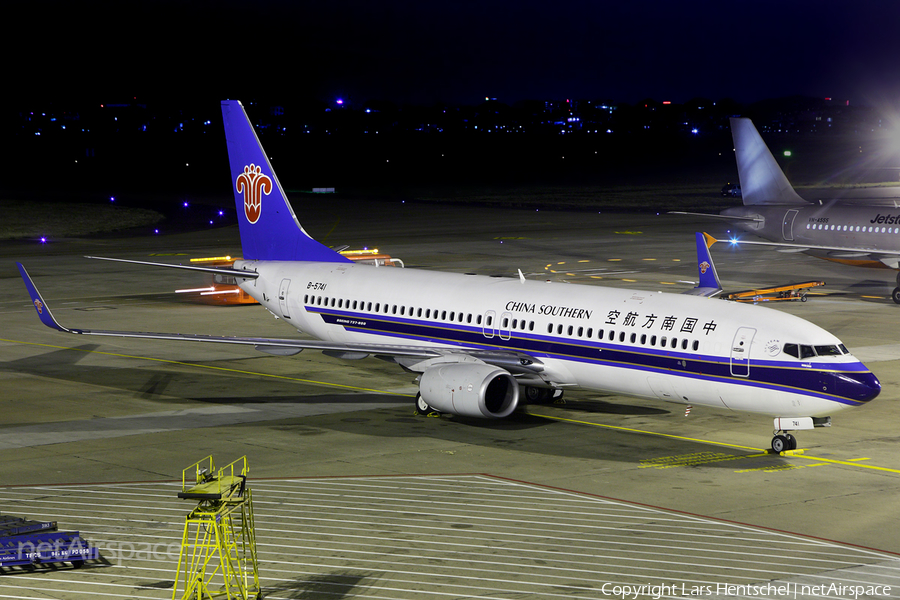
(709, 280)
(762, 180)
(269, 229)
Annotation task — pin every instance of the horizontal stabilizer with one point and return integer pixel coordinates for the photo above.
(217, 270)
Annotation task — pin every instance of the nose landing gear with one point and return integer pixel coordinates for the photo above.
(783, 441)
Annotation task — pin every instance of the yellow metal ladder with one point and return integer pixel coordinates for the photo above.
(218, 547)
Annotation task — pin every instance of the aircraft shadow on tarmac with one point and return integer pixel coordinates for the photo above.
(165, 383)
(318, 413)
(538, 436)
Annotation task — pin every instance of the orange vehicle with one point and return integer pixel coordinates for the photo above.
(224, 291)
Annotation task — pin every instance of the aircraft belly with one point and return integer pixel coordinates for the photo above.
(749, 399)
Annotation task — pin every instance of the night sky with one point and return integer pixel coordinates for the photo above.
(460, 52)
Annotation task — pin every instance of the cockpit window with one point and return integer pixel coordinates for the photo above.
(801, 352)
(828, 351)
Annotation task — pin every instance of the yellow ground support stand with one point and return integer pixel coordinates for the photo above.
(218, 548)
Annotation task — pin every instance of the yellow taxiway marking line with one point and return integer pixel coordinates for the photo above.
(849, 462)
(632, 430)
(240, 371)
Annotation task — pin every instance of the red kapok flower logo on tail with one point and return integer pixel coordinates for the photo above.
(704, 266)
(39, 306)
(253, 183)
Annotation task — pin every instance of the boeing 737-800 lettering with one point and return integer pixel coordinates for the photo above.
(480, 343)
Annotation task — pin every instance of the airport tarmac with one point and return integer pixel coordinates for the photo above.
(92, 413)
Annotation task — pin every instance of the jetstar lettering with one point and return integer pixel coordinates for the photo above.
(887, 219)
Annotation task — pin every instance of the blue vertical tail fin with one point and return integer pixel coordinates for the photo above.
(269, 228)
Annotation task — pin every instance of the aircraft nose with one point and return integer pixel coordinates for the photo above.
(859, 387)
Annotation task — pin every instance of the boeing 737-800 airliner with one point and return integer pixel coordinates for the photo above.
(479, 343)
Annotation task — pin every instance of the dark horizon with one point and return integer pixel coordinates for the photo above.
(424, 54)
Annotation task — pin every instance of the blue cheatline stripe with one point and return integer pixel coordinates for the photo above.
(773, 375)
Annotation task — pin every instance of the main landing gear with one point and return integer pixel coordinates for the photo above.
(895, 295)
(423, 408)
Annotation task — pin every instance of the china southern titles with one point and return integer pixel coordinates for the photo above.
(549, 309)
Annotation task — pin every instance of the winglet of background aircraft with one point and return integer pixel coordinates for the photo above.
(709, 280)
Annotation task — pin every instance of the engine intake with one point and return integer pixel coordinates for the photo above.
(470, 390)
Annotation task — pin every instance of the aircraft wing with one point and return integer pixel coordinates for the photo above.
(754, 218)
(513, 361)
(889, 258)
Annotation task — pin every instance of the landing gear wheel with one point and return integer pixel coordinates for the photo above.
(537, 395)
(780, 443)
(792, 441)
(895, 295)
(423, 408)
(898, 278)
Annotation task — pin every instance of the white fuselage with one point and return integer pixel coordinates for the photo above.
(672, 347)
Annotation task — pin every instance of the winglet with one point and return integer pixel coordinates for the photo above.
(710, 240)
(43, 310)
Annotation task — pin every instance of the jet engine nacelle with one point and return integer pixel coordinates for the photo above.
(470, 390)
